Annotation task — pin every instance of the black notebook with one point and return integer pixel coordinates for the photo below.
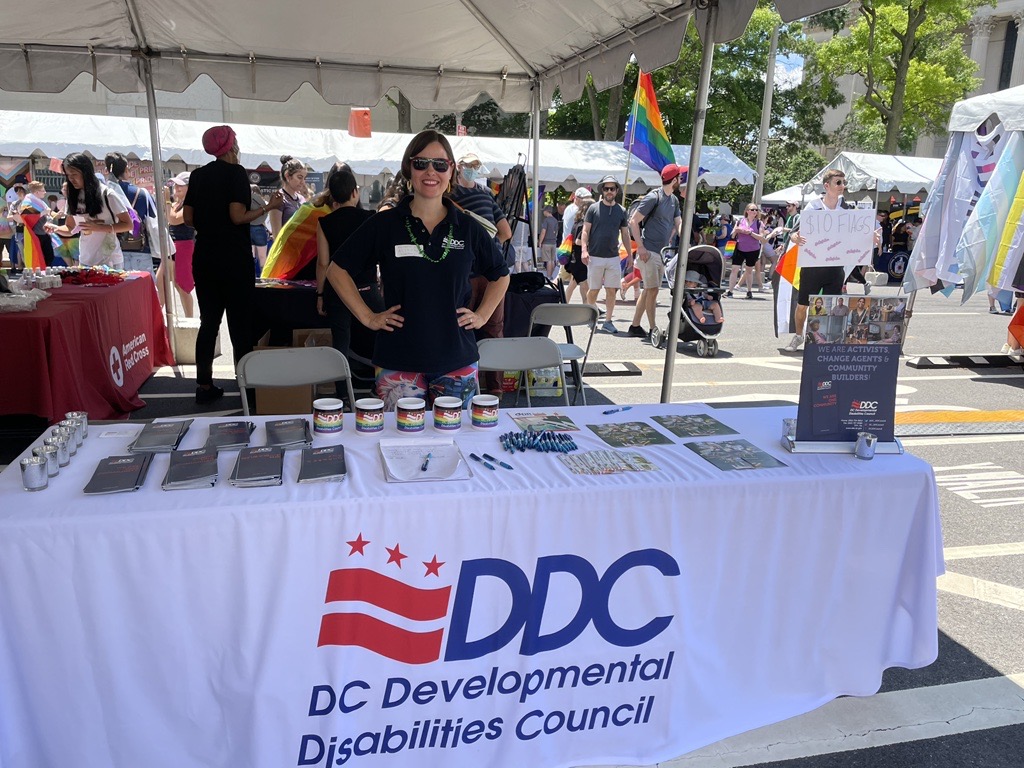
(323, 465)
(228, 435)
(160, 436)
(191, 469)
(258, 467)
(115, 474)
(289, 433)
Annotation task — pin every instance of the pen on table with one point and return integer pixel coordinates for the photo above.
(616, 410)
(499, 462)
(487, 464)
(426, 461)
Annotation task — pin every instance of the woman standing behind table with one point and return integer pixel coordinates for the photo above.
(217, 205)
(426, 249)
(95, 213)
(293, 192)
(184, 238)
(332, 230)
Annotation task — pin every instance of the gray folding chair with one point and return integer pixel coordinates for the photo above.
(567, 316)
(292, 367)
(522, 354)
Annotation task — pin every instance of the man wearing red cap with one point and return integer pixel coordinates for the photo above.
(217, 205)
(654, 225)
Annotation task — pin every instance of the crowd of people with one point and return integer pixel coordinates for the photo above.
(427, 271)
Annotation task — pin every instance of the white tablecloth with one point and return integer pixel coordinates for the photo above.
(661, 611)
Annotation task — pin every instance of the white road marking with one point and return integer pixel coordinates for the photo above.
(984, 550)
(853, 723)
(986, 484)
(981, 589)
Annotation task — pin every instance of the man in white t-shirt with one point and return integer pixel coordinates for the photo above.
(569, 216)
(814, 281)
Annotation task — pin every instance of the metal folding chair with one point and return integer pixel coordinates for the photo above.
(522, 354)
(567, 316)
(292, 367)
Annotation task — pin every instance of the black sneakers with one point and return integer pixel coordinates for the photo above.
(637, 332)
(204, 396)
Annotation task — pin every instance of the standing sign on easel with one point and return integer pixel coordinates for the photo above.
(843, 237)
(851, 361)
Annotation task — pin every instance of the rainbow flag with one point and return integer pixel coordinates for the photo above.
(295, 245)
(785, 285)
(730, 248)
(647, 137)
(37, 248)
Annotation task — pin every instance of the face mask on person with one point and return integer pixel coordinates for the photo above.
(470, 174)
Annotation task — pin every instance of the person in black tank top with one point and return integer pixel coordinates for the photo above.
(333, 230)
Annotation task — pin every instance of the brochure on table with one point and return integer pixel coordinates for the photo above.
(848, 380)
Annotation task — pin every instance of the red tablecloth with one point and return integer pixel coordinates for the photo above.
(85, 348)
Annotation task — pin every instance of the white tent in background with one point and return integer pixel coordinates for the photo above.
(783, 196)
(882, 174)
(566, 163)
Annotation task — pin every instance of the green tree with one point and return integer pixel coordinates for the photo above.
(736, 96)
(488, 120)
(909, 53)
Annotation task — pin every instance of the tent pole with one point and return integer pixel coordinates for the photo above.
(690, 203)
(538, 204)
(766, 115)
(159, 193)
(632, 134)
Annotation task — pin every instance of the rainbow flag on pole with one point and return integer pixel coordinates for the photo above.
(646, 136)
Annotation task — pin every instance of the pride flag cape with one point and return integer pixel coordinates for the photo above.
(38, 249)
(785, 283)
(295, 245)
(564, 250)
(1011, 244)
(646, 136)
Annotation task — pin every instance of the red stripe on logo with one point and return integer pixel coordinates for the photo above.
(387, 593)
(381, 638)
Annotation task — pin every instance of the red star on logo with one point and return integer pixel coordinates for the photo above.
(357, 545)
(396, 556)
(433, 567)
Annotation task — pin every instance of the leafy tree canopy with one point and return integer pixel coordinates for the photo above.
(909, 53)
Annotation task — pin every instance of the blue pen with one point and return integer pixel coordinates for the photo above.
(426, 461)
(616, 410)
(474, 457)
(499, 462)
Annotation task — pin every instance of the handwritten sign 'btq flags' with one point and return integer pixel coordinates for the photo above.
(837, 238)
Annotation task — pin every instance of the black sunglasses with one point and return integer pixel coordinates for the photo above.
(609, 189)
(422, 163)
(839, 182)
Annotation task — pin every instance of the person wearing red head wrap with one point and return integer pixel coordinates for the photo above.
(217, 205)
(219, 140)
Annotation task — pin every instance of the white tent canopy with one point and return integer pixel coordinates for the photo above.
(1007, 106)
(881, 173)
(571, 163)
(783, 196)
(441, 55)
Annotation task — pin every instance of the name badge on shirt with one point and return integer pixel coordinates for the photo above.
(407, 252)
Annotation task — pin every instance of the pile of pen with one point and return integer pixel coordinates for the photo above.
(544, 441)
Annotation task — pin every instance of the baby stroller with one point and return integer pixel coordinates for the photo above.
(707, 262)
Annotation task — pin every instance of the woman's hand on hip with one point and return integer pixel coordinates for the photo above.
(470, 319)
(388, 320)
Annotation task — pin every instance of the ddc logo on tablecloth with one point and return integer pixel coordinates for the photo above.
(428, 606)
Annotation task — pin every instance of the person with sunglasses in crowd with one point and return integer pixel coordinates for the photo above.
(604, 226)
(426, 249)
(750, 236)
(826, 281)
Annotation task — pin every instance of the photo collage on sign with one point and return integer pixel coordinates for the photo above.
(855, 320)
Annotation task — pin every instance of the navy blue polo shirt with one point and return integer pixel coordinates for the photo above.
(429, 284)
